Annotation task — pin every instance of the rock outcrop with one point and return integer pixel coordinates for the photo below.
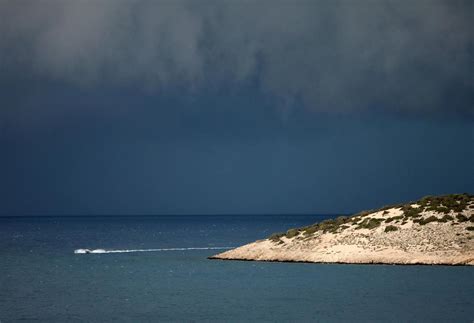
(434, 230)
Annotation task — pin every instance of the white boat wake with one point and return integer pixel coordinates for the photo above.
(84, 251)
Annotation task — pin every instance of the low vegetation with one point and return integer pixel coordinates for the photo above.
(411, 212)
(394, 218)
(390, 228)
(446, 218)
(292, 233)
(275, 237)
(448, 205)
(426, 221)
(369, 223)
(462, 217)
(329, 225)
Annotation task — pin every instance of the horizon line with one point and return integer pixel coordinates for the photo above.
(166, 215)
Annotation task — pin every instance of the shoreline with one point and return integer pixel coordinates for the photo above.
(432, 231)
(264, 251)
(342, 263)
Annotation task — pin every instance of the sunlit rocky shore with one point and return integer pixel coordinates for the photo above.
(432, 231)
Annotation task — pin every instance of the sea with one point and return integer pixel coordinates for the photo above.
(155, 269)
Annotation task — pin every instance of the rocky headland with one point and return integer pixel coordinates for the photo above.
(436, 230)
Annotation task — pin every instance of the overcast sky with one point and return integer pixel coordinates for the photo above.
(187, 107)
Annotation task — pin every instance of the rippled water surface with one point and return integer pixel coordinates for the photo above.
(42, 279)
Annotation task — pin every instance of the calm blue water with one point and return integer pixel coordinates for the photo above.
(41, 279)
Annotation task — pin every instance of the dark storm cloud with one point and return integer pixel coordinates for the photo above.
(329, 55)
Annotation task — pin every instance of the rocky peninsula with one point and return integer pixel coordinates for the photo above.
(436, 230)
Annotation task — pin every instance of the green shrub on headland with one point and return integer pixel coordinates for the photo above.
(461, 217)
(369, 223)
(446, 204)
(394, 218)
(390, 228)
(292, 233)
(411, 212)
(275, 237)
(446, 218)
(329, 225)
(427, 220)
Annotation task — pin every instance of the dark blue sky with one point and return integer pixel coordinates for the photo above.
(202, 118)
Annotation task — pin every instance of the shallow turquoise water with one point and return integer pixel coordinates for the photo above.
(41, 279)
